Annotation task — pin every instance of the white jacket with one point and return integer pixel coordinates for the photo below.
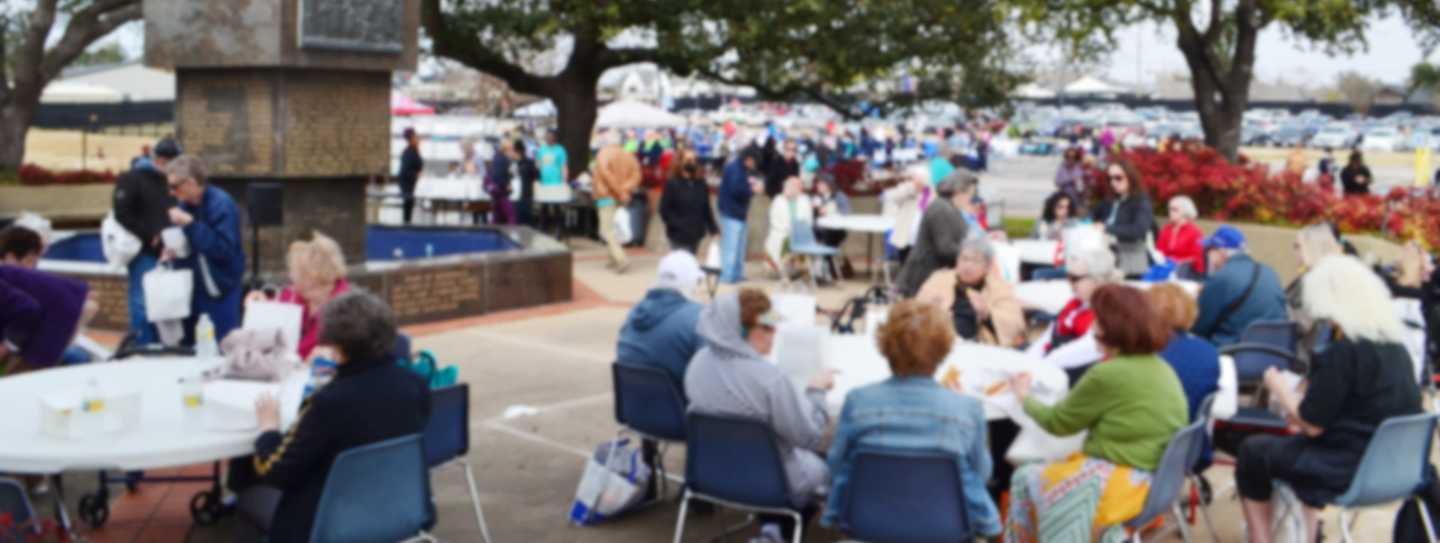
(781, 221)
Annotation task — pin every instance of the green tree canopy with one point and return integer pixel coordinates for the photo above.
(1218, 39)
(842, 53)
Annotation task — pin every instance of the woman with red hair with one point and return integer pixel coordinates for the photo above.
(1131, 404)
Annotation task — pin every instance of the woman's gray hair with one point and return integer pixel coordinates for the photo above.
(980, 245)
(1186, 205)
(1345, 291)
(189, 167)
(360, 325)
(958, 182)
(1099, 263)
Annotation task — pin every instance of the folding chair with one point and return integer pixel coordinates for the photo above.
(802, 243)
(905, 496)
(1169, 479)
(447, 439)
(649, 404)
(376, 493)
(1392, 469)
(16, 503)
(735, 462)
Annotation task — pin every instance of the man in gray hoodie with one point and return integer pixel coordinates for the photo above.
(731, 377)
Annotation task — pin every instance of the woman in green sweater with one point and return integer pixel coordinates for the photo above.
(1131, 404)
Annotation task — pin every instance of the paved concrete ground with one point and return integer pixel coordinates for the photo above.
(556, 360)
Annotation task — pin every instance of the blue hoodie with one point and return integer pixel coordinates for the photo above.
(660, 332)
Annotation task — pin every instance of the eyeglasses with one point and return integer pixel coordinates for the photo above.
(1075, 278)
(176, 186)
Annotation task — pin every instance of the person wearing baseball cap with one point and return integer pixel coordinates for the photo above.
(141, 204)
(1239, 290)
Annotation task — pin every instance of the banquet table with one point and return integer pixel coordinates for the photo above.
(1051, 296)
(867, 224)
(167, 434)
(1040, 252)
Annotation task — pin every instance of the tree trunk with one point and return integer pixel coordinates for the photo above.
(14, 124)
(576, 106)
(1219, 103)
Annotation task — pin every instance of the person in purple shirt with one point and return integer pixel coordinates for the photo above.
(40, 314)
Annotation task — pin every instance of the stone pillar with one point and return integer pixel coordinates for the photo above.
(294, 91)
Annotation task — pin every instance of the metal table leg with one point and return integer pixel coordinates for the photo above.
(57, 491)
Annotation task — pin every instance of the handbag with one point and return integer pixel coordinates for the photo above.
(168, 292)
(613, 482)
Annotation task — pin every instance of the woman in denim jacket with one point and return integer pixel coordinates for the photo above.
(912, 410)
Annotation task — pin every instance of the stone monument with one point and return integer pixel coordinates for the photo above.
(288, 91)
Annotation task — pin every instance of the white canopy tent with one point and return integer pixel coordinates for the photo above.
(1033, 91)
(542, 109)
(64, 92)
(632, 114)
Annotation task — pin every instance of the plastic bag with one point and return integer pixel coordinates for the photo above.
(118, 244)
(167, 293)
(614, 481)
(426, 366)
(622, 231)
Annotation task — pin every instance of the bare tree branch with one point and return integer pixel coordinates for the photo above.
(85, 26)
(449, 42)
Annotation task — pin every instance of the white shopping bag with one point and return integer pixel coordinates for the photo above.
(167, 293)
(712, 256)
(261, 315)
(117, 244)
(614, 480)
(621, 227)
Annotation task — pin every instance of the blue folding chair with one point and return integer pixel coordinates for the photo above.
(1168, 480)
(802, 242)
(447, 439)
(378, 493)
(1263, 345)
(1392, 469)
(16, 503)
(648, 403)
(905, 496)
(735, 462)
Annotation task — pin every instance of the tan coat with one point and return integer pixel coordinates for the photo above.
(615, 174)
(1006, 316)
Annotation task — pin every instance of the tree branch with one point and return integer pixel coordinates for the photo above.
(87, 25)
(1212, 32)
(32, 49)
(449, 42)
(612, 57)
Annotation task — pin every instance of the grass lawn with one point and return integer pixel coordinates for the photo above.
(61, 149)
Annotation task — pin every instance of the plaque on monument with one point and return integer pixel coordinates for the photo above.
(372, 26)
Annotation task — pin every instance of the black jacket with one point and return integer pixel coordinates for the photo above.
(936, 245)
(366, 403)
(1350, 184)
(1133, 220)
(777, 170)
(411, 164)
(685, 210)
(142, 204)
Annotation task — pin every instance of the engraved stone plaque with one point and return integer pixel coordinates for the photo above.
(373, 26)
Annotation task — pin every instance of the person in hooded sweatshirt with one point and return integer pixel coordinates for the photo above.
(660, 330)
(730, 377)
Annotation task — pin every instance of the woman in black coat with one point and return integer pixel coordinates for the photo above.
(1355, 178)
(685, 205)
(1128, 217)
(371, 399)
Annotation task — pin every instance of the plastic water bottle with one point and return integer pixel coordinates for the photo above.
(205, 346)
(429, 250)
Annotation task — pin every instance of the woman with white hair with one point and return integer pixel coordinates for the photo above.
(981, 303)
(903, 203)
(317, 275)
(1180, 240)
(1363, 377)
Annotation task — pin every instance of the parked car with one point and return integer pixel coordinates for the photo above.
(1383, 139)
(1335, 136)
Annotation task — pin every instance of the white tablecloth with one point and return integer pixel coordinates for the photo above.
(165, 437)
(1051, 296)
(1036, 251)
(874, 224)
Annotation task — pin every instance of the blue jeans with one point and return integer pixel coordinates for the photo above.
(733, 236)
(140, 326)
(75, 355)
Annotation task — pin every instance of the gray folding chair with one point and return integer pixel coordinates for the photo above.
(1168, 481)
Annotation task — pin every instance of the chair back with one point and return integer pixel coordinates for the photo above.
(447, 433)
(802, 235)
(1169, 477)
(905, 496)
(401, 350)
(16, 503)
(735, 459)
(1393, 467)
(378, 492)
(648, 401)
(1250, 365)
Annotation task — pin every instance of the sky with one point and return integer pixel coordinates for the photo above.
(1392, 52)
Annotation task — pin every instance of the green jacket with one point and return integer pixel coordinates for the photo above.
(1131, 405)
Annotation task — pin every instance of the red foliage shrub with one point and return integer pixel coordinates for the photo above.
(37, 176)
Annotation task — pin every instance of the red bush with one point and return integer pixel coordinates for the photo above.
(37, 176)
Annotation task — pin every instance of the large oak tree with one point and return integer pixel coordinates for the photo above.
(847, 54)
(33, 59)
(1218, 39)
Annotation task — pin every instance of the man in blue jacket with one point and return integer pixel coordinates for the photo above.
(1238, 292)
(660, 330)
(736, 189)
(211, 222)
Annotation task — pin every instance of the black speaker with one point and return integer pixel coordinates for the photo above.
(266, 204)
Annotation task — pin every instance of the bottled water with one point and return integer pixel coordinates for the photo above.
(205, 345)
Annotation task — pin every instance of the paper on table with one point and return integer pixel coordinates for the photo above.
(271, 315)
(229, 405)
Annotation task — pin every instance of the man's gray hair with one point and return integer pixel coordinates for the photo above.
(980, 245)
(958, 182)
(1099, 263)
(188, 166)
(360, 325)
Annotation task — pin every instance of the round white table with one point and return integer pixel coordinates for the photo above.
(164, 437)
(1040, 252)
(867, 224)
